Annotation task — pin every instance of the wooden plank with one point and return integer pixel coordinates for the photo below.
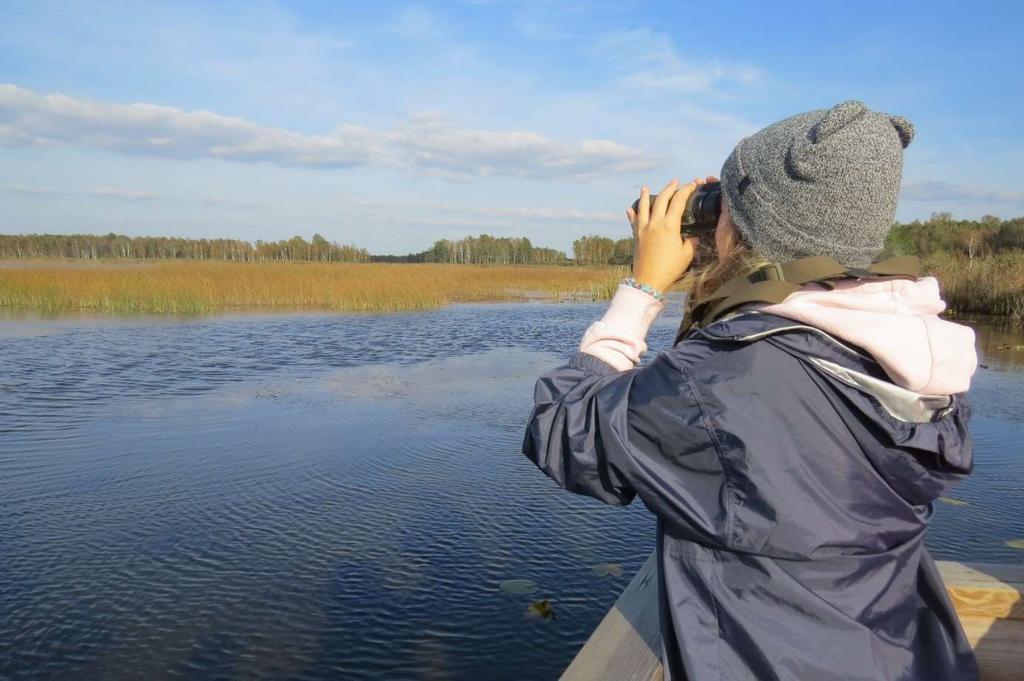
(999, 646)
(985, 590)
(626, 645)
(988, 598)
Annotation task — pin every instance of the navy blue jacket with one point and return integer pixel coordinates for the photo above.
(792, 483)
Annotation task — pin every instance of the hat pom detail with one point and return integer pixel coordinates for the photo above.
(904, 128)
(837, 118)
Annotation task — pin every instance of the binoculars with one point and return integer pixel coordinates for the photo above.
(702, 210)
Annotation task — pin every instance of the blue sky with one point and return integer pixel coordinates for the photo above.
(393, 125)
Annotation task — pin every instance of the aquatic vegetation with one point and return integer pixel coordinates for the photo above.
(607, 570)
(175, 287)
(981, 285)
(953, 502)
(1016, 544)
(541, 609)
(519, 586)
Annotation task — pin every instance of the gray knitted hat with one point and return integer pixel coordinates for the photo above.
(819, 183)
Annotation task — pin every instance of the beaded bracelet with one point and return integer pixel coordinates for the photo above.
(646, 288)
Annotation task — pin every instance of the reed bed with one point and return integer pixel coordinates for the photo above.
(992, 285)
(54, 286)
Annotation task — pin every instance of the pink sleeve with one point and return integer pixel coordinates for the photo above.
(618, 338)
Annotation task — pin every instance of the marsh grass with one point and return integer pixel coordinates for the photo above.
(54, 286)
(992, 285)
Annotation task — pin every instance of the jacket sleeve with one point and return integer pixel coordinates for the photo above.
(578, 434)
(614, 435)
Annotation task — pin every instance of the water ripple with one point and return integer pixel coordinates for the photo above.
(328, 496)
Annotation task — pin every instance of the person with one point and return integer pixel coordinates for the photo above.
(791, 451)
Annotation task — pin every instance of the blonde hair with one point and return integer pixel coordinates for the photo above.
(704, 280)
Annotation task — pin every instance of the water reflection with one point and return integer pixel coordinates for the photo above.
(1000, 344)
(335, 496)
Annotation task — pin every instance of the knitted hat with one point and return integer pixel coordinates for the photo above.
(819, 183)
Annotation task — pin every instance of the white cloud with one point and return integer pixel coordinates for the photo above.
(938, 190)
(426, 143)
(493, 213)
(398, 210)
(648, 59)
(109, 193)
(537, 213)
(32, 192)
(119, 194)
(431, 142)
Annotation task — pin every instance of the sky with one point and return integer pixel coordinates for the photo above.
(391, 125)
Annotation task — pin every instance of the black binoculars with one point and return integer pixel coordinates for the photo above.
(702, 210)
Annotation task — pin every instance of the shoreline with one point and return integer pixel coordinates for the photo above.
(85, 316)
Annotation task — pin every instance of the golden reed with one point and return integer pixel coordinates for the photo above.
(990, 285)
(146, 287)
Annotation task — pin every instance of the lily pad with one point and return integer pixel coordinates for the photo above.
(607, 570)
(1016, 544)
(541, 609)
(519, 586)
(953, 502)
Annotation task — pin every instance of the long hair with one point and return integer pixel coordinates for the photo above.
(703, 280)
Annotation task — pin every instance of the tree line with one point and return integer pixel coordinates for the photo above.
(483, 250)
(486, 250)
(941, 233)
(600, 250)
(93, 247)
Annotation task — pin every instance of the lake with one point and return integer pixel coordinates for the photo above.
(319, 496)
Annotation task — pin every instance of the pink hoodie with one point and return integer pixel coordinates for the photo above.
(895, 320)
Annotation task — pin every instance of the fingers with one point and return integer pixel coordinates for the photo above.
(664, 196)
(689, 250)
(644, 209)
(678, 204)
(670, 202)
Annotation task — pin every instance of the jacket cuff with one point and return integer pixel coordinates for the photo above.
(594, 365)
(618, 338)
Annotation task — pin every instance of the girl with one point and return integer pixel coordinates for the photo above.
(790, 451)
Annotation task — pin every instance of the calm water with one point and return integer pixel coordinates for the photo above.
(323, 496)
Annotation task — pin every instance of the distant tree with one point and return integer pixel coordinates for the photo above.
(623, 252)
(1010, 235)
(593, 250)
(941, 233)
(483, 249)
(174, 248)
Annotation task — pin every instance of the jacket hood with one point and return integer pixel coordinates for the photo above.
(919, 455)
(897, 322)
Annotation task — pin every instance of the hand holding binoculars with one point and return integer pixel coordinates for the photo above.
(700, 218)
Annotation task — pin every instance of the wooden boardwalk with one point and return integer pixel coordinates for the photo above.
(627, 643)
